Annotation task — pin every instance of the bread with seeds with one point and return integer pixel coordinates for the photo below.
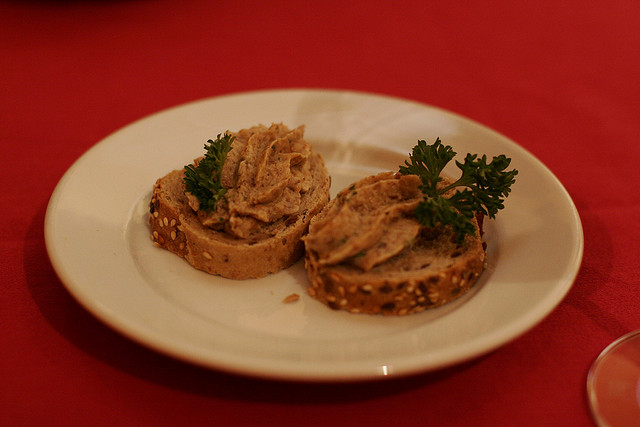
(241, 210)
(367, 253)
(399, 243)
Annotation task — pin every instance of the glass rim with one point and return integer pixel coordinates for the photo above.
(593, 370)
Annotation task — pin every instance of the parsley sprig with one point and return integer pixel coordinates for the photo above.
(486, 186)
(203, 180)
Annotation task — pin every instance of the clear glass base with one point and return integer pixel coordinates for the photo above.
(613, 383)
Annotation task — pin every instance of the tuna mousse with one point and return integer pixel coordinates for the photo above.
(241, 210)
(403, 242)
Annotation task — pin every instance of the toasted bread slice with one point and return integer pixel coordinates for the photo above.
(366, 252)
(267, 247)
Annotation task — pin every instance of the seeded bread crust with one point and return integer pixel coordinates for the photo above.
(447, 271)
(175, 227)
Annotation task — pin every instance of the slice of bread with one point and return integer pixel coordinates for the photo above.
(366, 252)
(179, 228)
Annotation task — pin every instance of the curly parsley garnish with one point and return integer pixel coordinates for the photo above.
(203, 180)
(487, 184)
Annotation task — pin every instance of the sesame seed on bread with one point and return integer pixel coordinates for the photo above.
(427, 269)
(177, 227)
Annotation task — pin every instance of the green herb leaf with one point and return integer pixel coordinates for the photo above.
(486, 186)
(203, 180)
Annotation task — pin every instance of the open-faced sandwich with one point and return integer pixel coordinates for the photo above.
(402, 242)
(241, 210)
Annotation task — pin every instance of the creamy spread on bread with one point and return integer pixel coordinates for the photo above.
(266, 173)
(369, 223)
(240, 211)
(367, 252)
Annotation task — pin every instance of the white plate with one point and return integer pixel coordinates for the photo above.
(98, 240)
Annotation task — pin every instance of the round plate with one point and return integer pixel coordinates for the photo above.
(98, 240)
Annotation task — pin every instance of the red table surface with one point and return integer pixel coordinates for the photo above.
(560, 78)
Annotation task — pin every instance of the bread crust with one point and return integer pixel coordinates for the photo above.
(176, 227)
(446, 270)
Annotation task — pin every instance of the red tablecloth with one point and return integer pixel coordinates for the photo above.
(560, 78)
